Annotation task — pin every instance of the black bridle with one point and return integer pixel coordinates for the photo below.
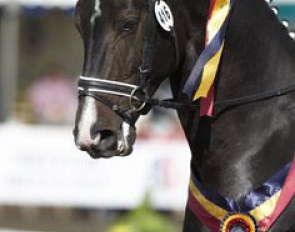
(96, 88)
(139, 100)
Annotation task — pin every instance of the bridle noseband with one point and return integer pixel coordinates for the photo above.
(96, 88)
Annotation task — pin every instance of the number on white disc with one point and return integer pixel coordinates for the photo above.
(164, 15)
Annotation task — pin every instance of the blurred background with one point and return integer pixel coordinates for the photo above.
(46, 184)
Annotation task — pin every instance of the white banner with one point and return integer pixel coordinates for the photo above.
(41, 166)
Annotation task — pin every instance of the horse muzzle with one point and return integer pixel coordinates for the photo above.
(107, 143)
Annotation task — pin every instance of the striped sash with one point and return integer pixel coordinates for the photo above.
(204, 72)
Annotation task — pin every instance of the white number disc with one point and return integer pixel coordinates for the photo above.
(164, 15)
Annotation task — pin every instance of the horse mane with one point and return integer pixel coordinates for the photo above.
(264, 51)
(276, 28)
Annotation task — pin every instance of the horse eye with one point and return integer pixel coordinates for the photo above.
(130, 25)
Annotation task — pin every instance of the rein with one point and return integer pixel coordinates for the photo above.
(121, 89)
(223, 104)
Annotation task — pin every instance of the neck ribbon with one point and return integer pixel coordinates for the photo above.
(204, 72)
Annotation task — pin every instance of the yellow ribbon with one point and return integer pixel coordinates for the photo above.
(219, 13)
(261, 212)
(266, 208)
(210, 207)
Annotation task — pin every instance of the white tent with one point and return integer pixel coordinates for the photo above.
(43, 3)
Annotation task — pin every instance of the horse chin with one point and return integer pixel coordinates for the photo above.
(121, 151)
(110, 153)
(103, 154)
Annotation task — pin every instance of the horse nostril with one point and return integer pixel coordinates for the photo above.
(82, 147)
(100, 141)
(104, 134)
(84, 141)
(107, 140)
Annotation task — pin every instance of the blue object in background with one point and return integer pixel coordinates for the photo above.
(287, 12)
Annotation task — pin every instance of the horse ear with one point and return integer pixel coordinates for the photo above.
(269, 1)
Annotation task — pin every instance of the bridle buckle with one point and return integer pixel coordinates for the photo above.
(136, 95)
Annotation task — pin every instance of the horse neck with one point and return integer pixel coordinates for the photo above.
(246, 144)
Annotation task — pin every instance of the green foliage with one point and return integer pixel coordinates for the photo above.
(143, 219)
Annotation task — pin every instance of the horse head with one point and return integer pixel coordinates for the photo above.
(118, 37)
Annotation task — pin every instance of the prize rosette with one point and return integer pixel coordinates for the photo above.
(239, 222)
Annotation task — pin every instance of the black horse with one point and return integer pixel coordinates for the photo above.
(238, 149)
